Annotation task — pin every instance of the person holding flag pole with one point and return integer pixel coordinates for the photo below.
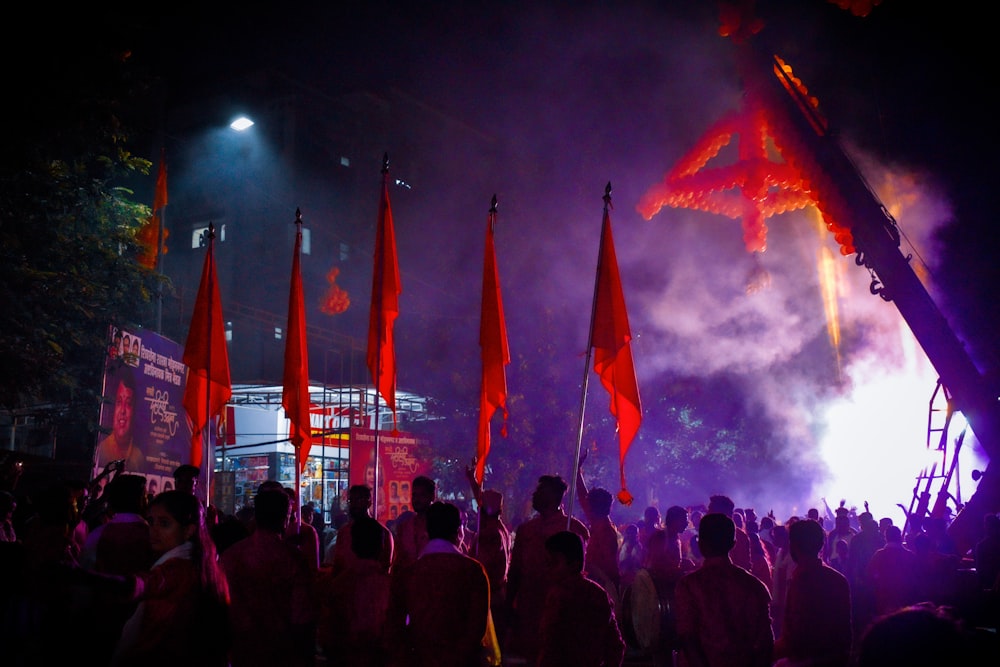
(386, 288)
(295, 390)
(208, 385)
(610, 341)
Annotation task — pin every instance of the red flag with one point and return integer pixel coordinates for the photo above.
(611, 339)
(495, 354)
(208, 385)
(385, 303)
(149, 235)
(295, 394)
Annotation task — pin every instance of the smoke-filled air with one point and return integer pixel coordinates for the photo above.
(786, 350)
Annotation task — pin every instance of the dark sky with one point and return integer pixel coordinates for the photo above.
(618, 91)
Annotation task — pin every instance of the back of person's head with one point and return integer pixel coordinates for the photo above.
(806, 538)
(716, 535)
(270, 485)
(894, 534)
(366, 538)
(721, 505)
(921, 635)
(425, 484)
(766, 523)
(651, 515)
(676, 514)
(127, 493)
(569, 545)
(553, 484)
(444, 520)
(600, 501)
(270, 510)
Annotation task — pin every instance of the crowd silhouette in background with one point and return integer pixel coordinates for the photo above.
(109, 573)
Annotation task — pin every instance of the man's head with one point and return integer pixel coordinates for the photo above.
(359, 501)
(677, 519)
(271, 508)
(565, 548)
(805, 539)
(716, 535)
(492, 503)
(721, 505)
(127, 493)
(600, 501)
(424, 493)
(186, 478)
(124, 412)
(444, 522)
(548, 495)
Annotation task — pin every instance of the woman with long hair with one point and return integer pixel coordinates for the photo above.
(183, 600)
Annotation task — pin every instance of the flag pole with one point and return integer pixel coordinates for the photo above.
(379, 277)
(482, 482)
(586, 366)
(208, 365)
(297, 446)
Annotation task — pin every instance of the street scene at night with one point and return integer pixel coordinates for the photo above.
(738, 260)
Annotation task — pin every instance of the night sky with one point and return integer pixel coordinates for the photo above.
(593, 92)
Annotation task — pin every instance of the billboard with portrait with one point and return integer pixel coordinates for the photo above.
(142, 421)
(400, 459)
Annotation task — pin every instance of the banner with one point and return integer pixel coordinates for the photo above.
(400, 457)
(142, 419)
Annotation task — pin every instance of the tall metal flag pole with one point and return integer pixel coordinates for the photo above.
(495, 352)
(208, 385)
(295, 390)
(611, 337)
(381, 355)
(586, 372)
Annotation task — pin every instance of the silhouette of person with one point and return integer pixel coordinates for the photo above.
(439, 604)
(817, 627)
(722, 611)
(578, 623)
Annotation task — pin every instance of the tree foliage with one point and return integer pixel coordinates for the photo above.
(68, 222)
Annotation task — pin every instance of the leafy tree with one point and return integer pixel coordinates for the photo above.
(67, 230)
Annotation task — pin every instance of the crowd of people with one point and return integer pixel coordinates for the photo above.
(135, 578)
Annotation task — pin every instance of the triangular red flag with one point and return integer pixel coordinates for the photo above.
(386, 289)
(495, 353)
(149, 235)
(611, 339)
(208, 386)
(295, 392)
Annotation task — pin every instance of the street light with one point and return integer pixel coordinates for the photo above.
(241, 123)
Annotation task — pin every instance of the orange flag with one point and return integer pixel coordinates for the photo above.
(386, 289)
(495, 354)
(208, 386)
(149, 235)
(295, 392)
(611, 339)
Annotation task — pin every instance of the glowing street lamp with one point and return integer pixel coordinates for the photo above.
(241, 123)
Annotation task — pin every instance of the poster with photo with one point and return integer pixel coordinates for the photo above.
(401, 458)
(143, 422)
